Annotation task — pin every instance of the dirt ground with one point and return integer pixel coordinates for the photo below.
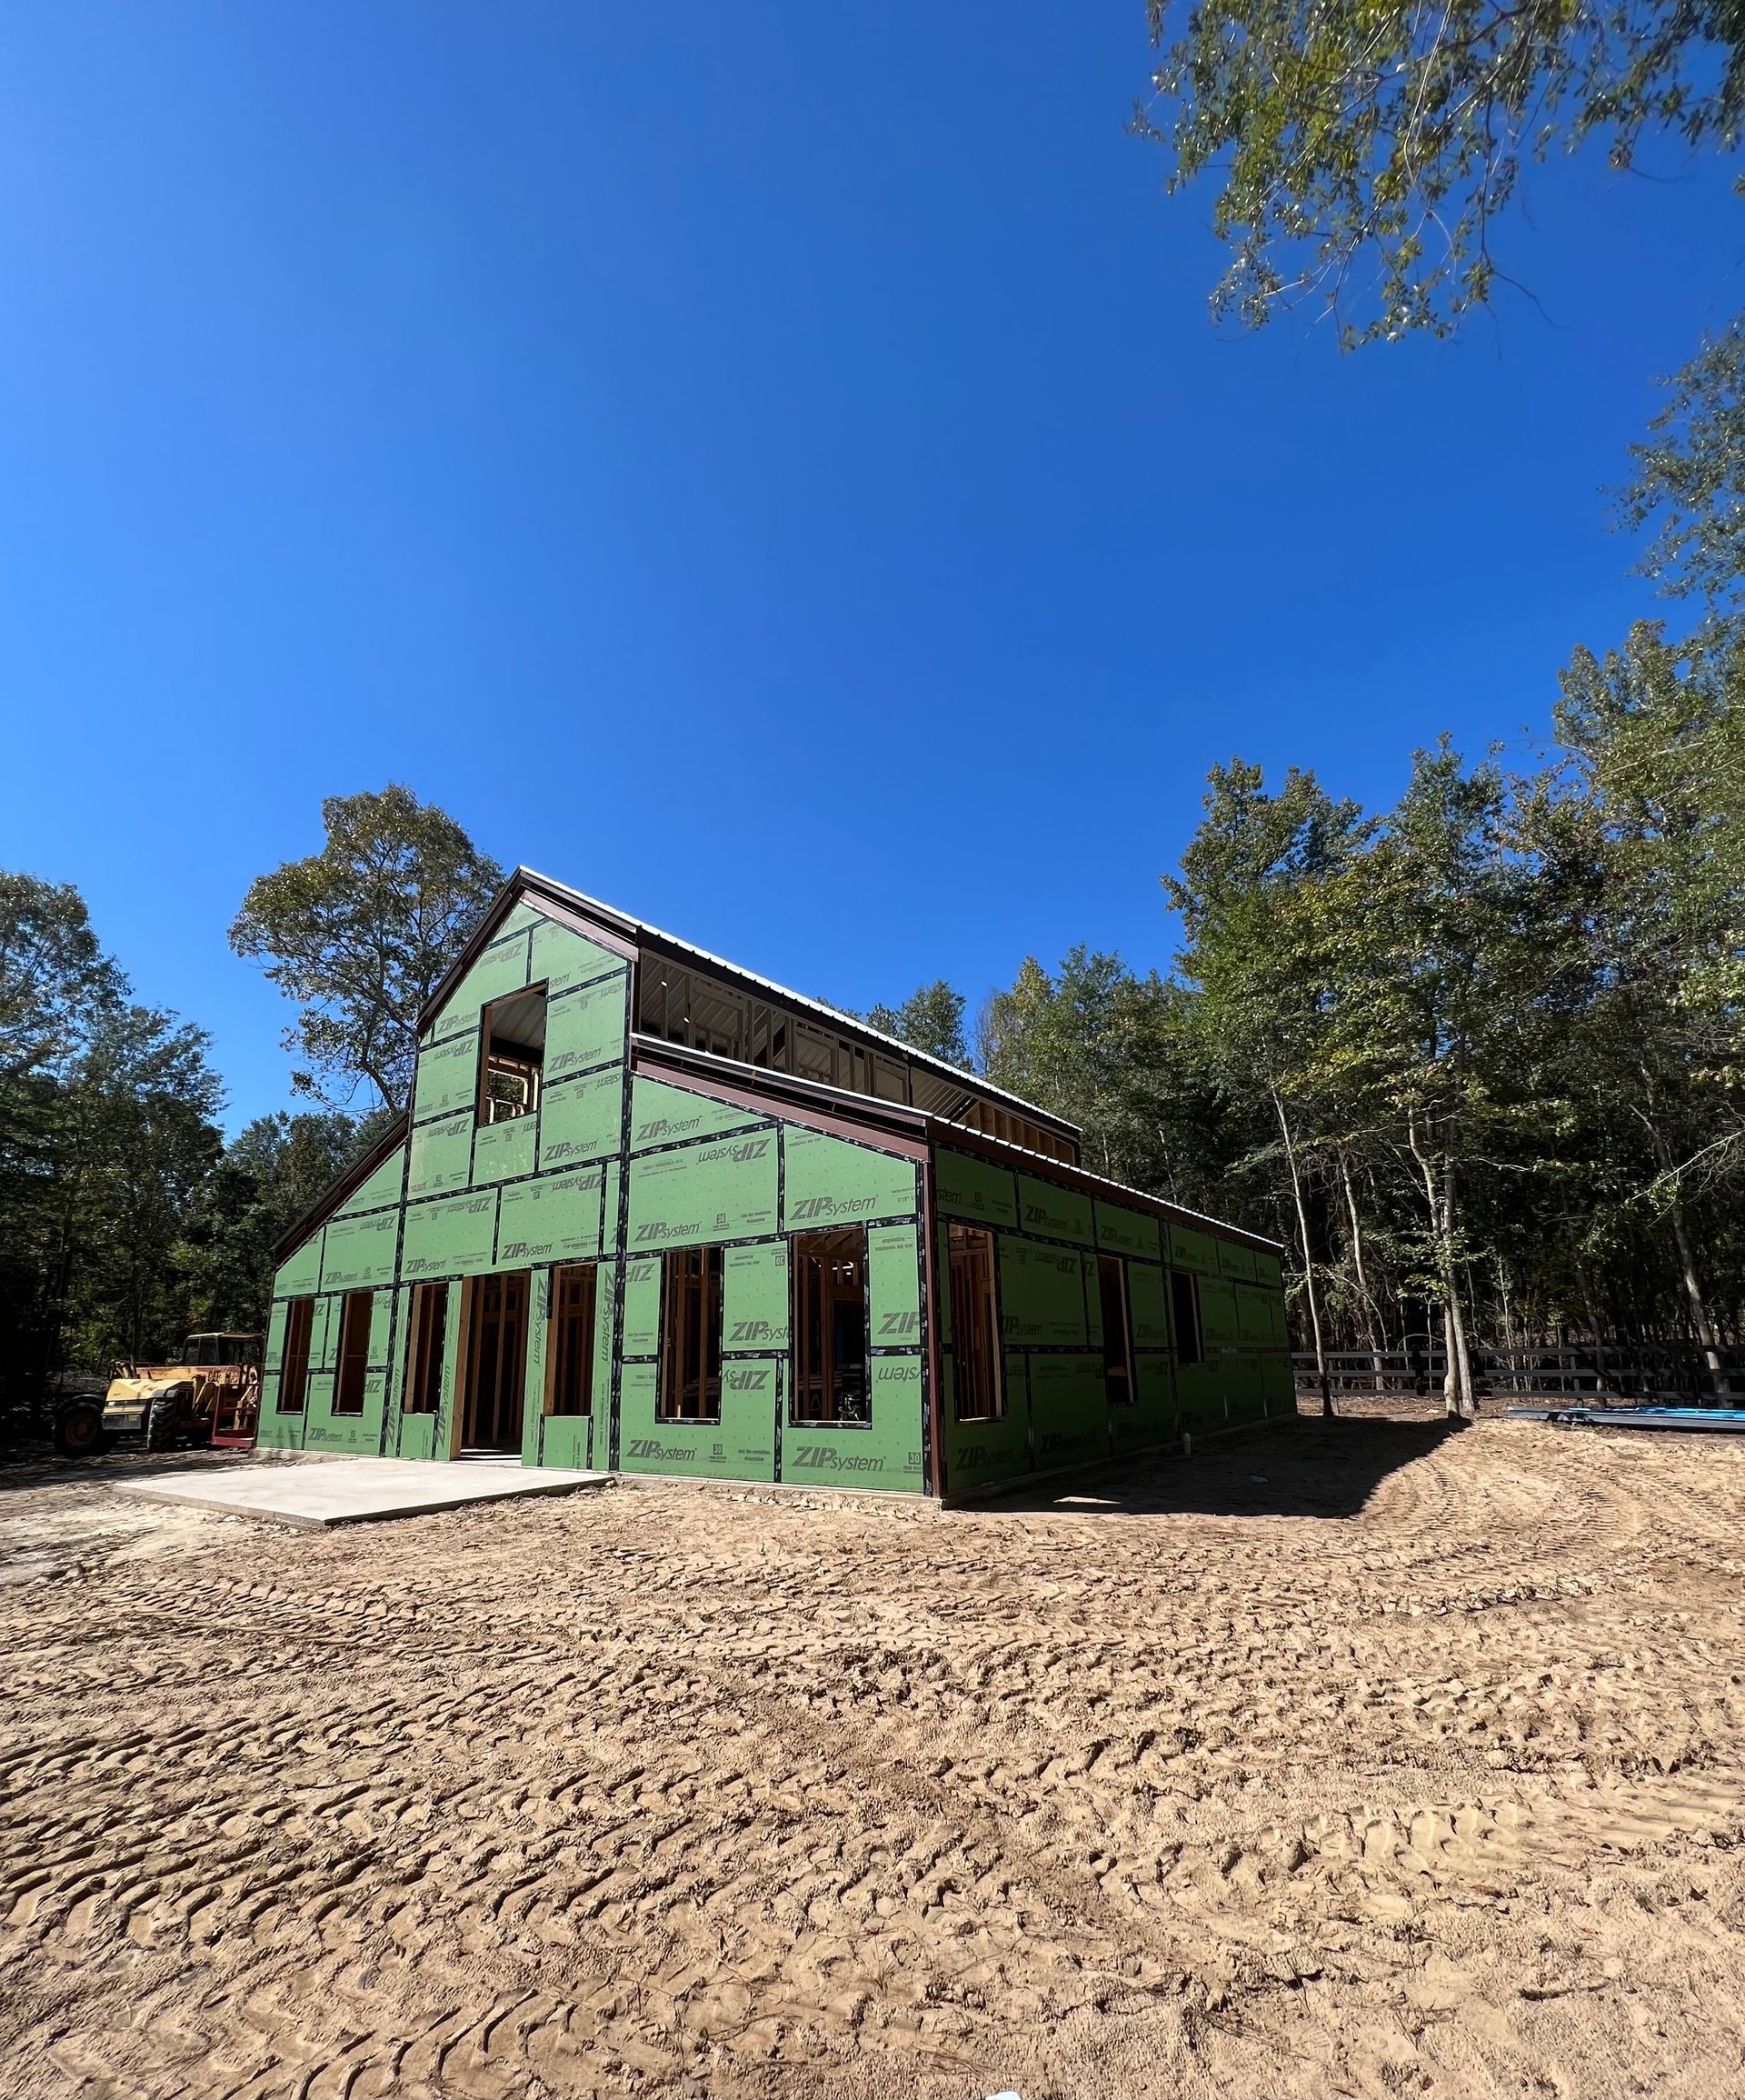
(1372, 1760)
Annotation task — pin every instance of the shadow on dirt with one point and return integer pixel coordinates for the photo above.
(1306, 1468)
(44, 1467)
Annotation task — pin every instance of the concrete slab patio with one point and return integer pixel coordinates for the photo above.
(325, 1492)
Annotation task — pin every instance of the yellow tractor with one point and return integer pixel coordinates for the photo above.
(212, 1396)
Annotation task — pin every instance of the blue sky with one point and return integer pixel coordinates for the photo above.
(770, 467)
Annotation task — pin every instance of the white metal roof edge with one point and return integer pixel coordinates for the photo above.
(973, 1080)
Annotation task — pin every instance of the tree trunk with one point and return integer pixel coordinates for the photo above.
(1372, 1317)
(1688, 1274)
(1457, 1374)
(1327, 1408)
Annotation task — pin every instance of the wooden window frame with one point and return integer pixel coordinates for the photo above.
(352, 1361)
(426, 1334)
(294, 1355)
(512, 1059)
(1120, 1373)
(564, 1339)
(808, 1249)
(1184, 1290)
(969, 1350)
(683, 1337)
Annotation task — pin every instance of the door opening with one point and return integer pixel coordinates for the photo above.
(497, 1361)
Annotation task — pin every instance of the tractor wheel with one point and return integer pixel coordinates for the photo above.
(79, 1431)
(163, 1418)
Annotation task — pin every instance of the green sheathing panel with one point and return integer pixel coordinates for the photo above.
(520, 920)
(1148, 1306)
(275, 1432)
(442, 1155)
(568, 1441)
(740, 1447)
(500, 969)
(979, 1453)
(1218, 1314)
(1199, 1396)
(1055, 1214)
(359, 1254)
(1041, 1295)
(1267, 1271)
(360, 1436)
(1234, 1261)
(642, 1307)
(1067, 1411)
(451, 1236)
(448, 1077)
(661, 1115)
(971, 1188)
(754, 1296)
(581, 1119)
(704, 1192)
(562, 958)
(829, 1182)
(533, 1411)
(1190, 1249)
(1126, 1232)
(894, 1287)
(553, 1217)
(886, 1454)
(380, 1189)
(300, 1276)
(500, 1150)
(1153, 1418)
(585, 1028)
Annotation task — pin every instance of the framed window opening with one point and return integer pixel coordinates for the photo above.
(831, 1374)
(1117, 1331)
(1185, 1302)
(428, 1332)
(975, 1326)
(294, 1361)
(569, 1350)
(690, 1384)
(358, 1310)
(512, 1056)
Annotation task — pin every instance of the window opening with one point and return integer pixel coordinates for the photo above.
(975, 1332)
(512, 1056)
(831, 1379)
(429, 1325)
(354, 1352)
(570, 1347)
(294, 1364)
(691, 1336)
(1117, 1330)
(1184, 1295)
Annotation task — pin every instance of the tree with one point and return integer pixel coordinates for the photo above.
(1690, 483)
(361, 932)
(1649, 830)
(1366, 149)
(272, 1175)
(931, 1019)
(1260, 956)
(54, 980)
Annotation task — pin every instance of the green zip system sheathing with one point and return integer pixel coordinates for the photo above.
(619, 1168)
(1056, 1411)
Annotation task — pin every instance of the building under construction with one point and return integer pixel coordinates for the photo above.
(651, 1212)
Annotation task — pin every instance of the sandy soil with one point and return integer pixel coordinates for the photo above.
(1413, 1767)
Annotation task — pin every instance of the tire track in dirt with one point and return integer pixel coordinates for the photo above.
(1229, 1785)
